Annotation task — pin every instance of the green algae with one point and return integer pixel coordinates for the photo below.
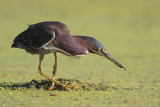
(44, 84)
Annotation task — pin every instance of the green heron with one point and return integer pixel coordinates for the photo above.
(54, 37)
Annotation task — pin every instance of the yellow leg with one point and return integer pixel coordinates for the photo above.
(55, 64)
(41, 57)
(54, 70)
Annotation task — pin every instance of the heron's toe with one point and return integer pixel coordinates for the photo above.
(51, 88)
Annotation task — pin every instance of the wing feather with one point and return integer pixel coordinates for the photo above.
(34, 38)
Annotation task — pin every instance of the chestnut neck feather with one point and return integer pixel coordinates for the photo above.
(66, 42)
(71, 44)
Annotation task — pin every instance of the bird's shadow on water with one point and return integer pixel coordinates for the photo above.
(44, 84)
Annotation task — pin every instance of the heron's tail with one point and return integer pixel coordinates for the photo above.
(14, 45)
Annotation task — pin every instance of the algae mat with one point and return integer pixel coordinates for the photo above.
(34, 93)
(45, 84)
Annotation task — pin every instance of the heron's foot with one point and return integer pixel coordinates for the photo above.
(65, 86)
(69, 87)
(52, 86)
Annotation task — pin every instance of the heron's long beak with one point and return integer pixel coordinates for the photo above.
(111, 58)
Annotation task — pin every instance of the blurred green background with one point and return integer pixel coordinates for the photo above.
(129, 29)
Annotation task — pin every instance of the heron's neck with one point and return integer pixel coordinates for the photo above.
(79, 45)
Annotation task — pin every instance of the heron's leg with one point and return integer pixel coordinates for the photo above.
(54, 70)
(41, 57)
(55, 64)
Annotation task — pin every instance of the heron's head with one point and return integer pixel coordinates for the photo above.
(97, 48)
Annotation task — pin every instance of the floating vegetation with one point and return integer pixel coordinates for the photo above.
(44, 84)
